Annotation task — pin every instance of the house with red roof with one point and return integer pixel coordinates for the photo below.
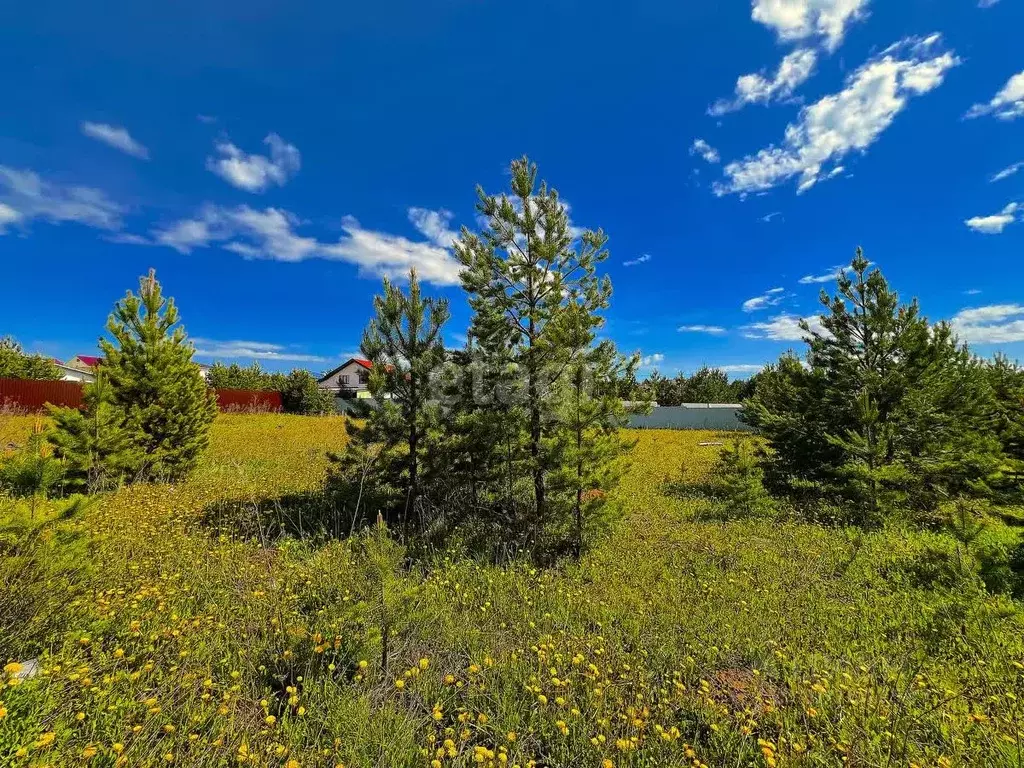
(85, 362)
(349, 379)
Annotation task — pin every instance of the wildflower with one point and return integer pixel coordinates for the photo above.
(511, 736)
(3, 711)
(424, 663)
(13, 668)
(399, 683)
(542, 699)
(293, 763)
(118, 748)
(89, 751)
(270, 719)
(45, 740)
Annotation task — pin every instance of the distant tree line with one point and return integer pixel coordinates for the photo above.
(706, 385)
(300, 390)
(15, 363)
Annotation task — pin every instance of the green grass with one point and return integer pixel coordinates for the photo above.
(675, 642)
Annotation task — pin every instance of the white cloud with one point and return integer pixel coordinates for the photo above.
(271, 233)
(714, 330)
(1008, 104)
(840, 123)
(826, 277)
(434, 225)
(1007, 172)
(705, 150)
(26, 196)
(7, 216)
(782, 328)
(797, 20)
(993, 324)
(126, 238)
(771, 216)
(755, 88)
(972, 291)
(255, 350)
(996, 223)
(116, 137)
(255, 173)
(187, 234)
(380, 253)
(650, 360)
(769, 298)
(638, 260)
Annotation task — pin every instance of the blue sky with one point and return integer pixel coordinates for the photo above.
(272, 160)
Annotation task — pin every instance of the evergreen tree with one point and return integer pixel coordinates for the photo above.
(405, 346)
(93, 442)
(251, 377)
(519, 272)
(889, 412)
(301, 394)
(587, 438)
(166, 404)
(707, 385)
(740, 483)
(16, 364)
(1006, 379)
(31, 472)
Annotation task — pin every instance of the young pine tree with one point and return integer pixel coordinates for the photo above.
(94, 443)
(405, 345)
(890, 410)
(740, 482)
(519, 272)
(153, 382)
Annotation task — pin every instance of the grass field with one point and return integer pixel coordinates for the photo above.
(161, 640)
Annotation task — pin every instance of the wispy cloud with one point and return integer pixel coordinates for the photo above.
(800, 20)
(782, 328)
(756, 88)
(844, 122)
(705, 150)
(252, 350)
(116, 137)
(271, 233)
(992, 324)
(638, 260)
(986, 3)
(771, 217)
(769, 298)
(1008, 104)
(714, 330)
(825, 277)
(256, 173)
(1007, 172)
(997, 222)
(972, 291)
(25, 196)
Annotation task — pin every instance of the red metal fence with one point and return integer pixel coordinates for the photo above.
(31, 395)
(248, 400)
